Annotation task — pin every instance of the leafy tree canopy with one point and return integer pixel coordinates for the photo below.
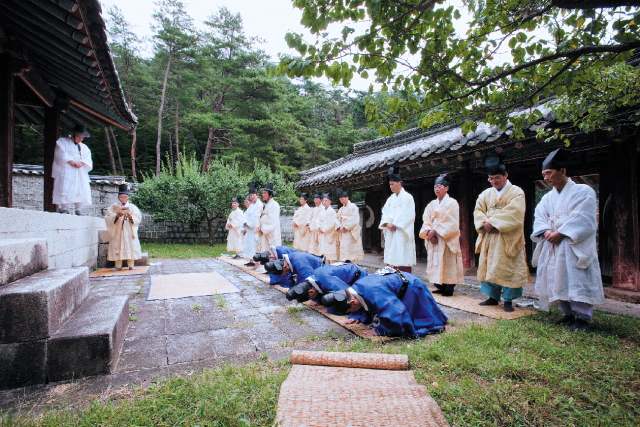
(514, 53)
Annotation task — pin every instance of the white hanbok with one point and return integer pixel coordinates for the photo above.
(250, 240)
(71, 184)
(400, 245)
(123, 234)
(569, 270)
(234, 226)
(269, 224)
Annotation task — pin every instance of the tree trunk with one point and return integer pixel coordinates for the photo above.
(173, 165)
(211, 231)
(160, 111)
(133, 155)
(176, 134)
(207, 151)
(107, 143)
(115, 142)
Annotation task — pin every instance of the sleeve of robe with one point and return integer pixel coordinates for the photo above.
(301, 217)
(110, 220)
(350, 219)
(479, 212)
(273, 221)
(136, 215)
(581, 225)
(541, 222)
(426, 221)
(86, 159)
(60, 159)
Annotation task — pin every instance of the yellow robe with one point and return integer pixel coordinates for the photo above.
(314, 243)
(123, 240)
(234, 225)
(301, 233)
(351, 241)
(328, 222)
(502, 255)
(269, 223)
(444, 264)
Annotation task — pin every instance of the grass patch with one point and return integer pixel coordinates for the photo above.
(220, 300)
(183, 251)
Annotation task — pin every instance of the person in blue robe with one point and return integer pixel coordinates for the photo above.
(300, 264)
(279, 251)
(330, 278)
(395, 303)
(276, 252)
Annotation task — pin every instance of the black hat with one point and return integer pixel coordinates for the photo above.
(262, 257)
(326, 196)
(268, 187)
(317, 195)
(253, 187)
(494, 164)
(79, 129)
(235, 200)
(444, 180)
(275, 266)
(341, 192)
(557, 159)
(339, 300)
(304, 196)
(248, 198)
(299, 292)
(394, 174)
(124, 189)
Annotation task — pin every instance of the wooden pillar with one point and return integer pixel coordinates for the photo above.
(6, 131)
(626, 236)
(467, 202)
(51, 135)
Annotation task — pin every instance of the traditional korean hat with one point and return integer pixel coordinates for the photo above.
(262, 257)
(557, 159)
(268, 187)
(326, 196)
(394, 174)
(253, 187)
(444, 180)
(341, 192)
(248, 198)
(124, 189)
(299, 292)
(274, 267)
(317, 195)
(305, 196)
(80, 130)
(235, 200)
(339, 300)
(494, 164)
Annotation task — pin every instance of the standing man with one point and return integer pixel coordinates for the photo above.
(269, 222)
(327, 225)
(566, 255)
(398, 217)
(441, 231)
(301, 233)
(234, 225)
(312, 225)
(499, 220)
(250, 241)
(349, 235)
(71, 166)
(122, 220)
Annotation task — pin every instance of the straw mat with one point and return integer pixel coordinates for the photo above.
(344, 396)
(470, 304)
(357, 329)
(169, 286)
(353, 360)
(108, 272)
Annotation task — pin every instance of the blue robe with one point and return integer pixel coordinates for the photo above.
(303, 265)
(335, 278)
(416, 315)
(284, 280)
(281, 250)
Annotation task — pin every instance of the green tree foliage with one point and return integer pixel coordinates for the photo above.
(558, 48)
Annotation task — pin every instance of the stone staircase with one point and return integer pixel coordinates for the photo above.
(50, 327)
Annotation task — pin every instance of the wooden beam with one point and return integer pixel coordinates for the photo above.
(6, 131)
(100, 116)
(39, 87)
(51, 135)
(467, 202)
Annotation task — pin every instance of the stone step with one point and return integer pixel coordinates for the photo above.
(91, 340)
(23, 364)
(35, 307)
(21, 258)
(139, 262)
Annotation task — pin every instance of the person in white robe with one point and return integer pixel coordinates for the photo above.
(234, 226)
(122, 220)
(312, 224)
(70, 170)
(250, 239)
(349, 234)
(327, 226)
(268, 228)
(301, 233)
(397, 222)
(566, 254)
(441, 231)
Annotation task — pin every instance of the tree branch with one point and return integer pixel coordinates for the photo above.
(593, 4)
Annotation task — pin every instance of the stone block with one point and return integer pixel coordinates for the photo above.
(62, 260)
(22, 364)
(91, 340)
(37, 306)
(103, 236)
(63, 241)
(22, 257)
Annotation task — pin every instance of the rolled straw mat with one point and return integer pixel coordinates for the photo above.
(470, 304)
(169, 286)
(357, 329)
(342, 396)
(352, 360)
(107, 272)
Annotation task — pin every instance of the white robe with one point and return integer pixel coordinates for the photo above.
(314, 238)
(399, 245)
(301, 233)
(269, 224)
(250, 240)
(123, 235)
(327, 238)
(234, 225)
(71, 184)
(568, 271)
(350, 242)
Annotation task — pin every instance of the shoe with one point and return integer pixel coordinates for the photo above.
(63, 211)
(490, 301)
(117, 269)
(236, 256)
(132, 268)
(579, 325)
(508, 306)
(439, 289)
(78, 213)
(448, 290)
(250, 264)
(566, 320)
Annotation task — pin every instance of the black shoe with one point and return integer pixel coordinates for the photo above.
(566, 320)
(63, 211)
(508, 306)
(579, 325)
(250, 264)
(439, 288)
(78, 213)
(490, 301)
(448, 290)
